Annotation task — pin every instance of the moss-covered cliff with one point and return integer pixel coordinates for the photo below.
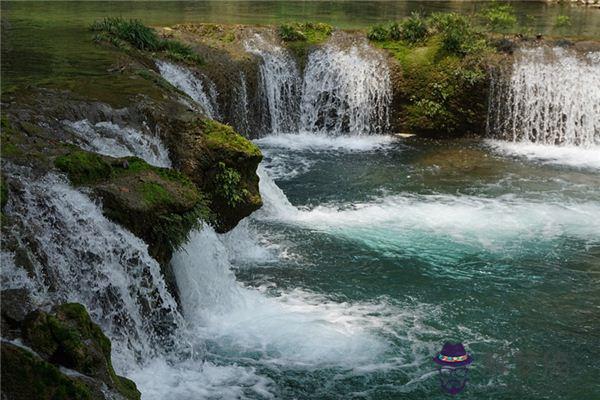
(60, 354)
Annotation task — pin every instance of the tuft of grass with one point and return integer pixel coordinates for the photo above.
(124, 33)
(132, 31)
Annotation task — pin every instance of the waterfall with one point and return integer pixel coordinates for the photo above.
(239, 106)
(80, 256)
(550, 96)
(205, 94)
(281, 83)
(116, 141)
(345, 91)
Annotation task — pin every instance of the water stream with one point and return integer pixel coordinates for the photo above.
(368, 254)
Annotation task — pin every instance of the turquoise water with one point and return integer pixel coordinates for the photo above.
(409, 244)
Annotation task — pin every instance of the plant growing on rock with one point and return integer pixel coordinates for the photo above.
(227, 182)
(378, 33)
(499, 17)
(123, 33)
(413, 29)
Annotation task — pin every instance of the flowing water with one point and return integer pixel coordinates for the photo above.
(369, 252)
(547, 107)
(204, 94)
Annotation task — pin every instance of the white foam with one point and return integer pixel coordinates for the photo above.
(117, 141)
(319, 142)
(407, 222)
(292, 328)
(192, 380)
(580, 157)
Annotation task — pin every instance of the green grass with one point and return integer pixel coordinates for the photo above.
(123, 33)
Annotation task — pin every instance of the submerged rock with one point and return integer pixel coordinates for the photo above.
(65, 356)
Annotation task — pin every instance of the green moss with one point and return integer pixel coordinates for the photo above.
(222, 137)
(442, 92)
(84, 167)
(69, 338)
(24, 376)
(154, 194)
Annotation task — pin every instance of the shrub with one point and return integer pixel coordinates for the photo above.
(306, 31)
(227, 183)
(458, 35)
(290, 33)
(499, 16)
(414, 28)
(378, 33)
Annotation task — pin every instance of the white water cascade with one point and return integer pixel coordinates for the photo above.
(116, 141)
(345, 90)
(202, 91)
(551, 96)
(80, 256)
(281, 83)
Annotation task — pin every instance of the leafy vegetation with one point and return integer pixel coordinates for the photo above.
(562, 21)
(313, 32)
(227, 183)
(123, 33)
(499, 16)
(443, 81)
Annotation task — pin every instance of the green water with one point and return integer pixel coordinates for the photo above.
(440, 241)
(386, 253)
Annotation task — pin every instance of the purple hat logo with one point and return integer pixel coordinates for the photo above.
(453, 362)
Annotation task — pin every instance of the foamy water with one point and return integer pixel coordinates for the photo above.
(573, 156)
(319, 142)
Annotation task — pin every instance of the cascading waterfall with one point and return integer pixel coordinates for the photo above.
(345, 91)
(240, 108)
(281, 83)
(202, 91)
(116, 141)
(80, 256)
(550, 96)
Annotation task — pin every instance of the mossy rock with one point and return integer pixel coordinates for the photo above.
(159, 205)
(26, 377)
(68, 337)
(214, 156)
(437, 93)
